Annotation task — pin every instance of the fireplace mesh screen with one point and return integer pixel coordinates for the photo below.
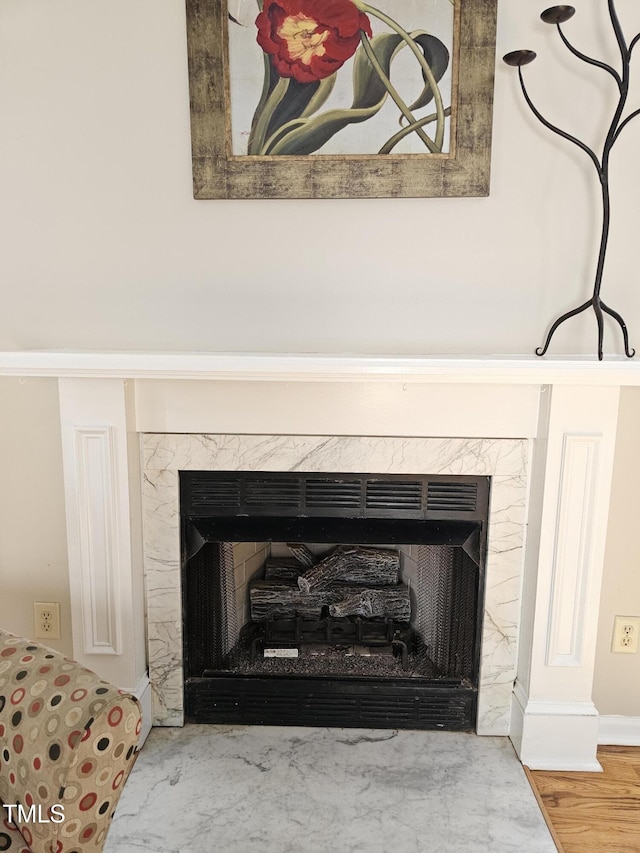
(446, 605)
(211, 606)
(229, 616)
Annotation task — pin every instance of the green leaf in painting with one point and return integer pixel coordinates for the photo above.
(409, 128)
(280, 133)
(369, 94)
(269, 82)
(368, 88)
(263, 118)
(316, 132)
(294, 103)
(437, 56)
(321, 94)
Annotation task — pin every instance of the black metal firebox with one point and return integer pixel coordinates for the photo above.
(322, 654)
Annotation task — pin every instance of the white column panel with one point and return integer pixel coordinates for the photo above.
(97, 513)
(573, 558)
(554, 720)
(107, 611)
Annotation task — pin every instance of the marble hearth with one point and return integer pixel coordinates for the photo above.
(544, 432)
(505, 461)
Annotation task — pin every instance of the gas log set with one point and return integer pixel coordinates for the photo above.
(351, 601)
(351, 581)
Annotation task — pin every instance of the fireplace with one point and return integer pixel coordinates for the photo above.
(350, 599)
(547, 449)
(166, 458)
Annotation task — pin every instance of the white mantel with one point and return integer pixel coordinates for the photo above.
(502, 370)
(565, 410)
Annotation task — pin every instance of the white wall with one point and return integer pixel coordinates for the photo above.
(33, 541)
(617, 676)
(105, 248)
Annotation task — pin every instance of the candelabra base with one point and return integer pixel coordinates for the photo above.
(600, 309)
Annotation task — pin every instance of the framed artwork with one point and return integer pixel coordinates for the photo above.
(341, 98)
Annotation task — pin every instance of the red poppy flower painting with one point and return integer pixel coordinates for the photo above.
(310, 40)
(336, 70)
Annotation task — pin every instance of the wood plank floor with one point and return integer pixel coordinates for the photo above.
(594, 812)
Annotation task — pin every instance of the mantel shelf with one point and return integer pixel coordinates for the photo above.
(570, 370)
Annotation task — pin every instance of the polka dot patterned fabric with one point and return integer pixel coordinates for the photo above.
(67, 739)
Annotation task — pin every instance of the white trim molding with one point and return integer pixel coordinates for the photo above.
(619, 730)
(554, 734)
(514, 370)
(573, 552)
(554, 722)
(97, 534)
(105, 573)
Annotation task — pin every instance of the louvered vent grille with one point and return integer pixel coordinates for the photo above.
(400, 495)
(350, 496)
(220, 494)
(285, 492)
(333, 493)
(452, 497)
(217, 700)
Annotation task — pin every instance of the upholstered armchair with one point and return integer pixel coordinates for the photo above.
(67, 744)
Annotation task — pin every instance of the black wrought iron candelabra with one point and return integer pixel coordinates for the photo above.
(558, 15)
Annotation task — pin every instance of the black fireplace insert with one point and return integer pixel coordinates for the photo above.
(333, 600)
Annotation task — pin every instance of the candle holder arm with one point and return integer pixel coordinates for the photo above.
(617, 28)
(558, 130)
(628, 351)
(625, 123)
(543, 349)
(589, 59)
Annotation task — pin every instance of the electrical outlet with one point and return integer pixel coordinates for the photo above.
(626, 634)
(47, 620)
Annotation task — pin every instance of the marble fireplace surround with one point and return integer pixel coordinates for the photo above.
(505, 461)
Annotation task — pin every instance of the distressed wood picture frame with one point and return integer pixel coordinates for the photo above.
(464, 170)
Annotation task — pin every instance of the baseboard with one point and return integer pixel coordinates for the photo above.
(619, 731)
(553, 735)
(563, 765)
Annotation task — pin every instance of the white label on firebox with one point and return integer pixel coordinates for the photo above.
(281, 653)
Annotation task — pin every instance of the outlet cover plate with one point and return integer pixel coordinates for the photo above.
(47, 620)
(626, 634)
